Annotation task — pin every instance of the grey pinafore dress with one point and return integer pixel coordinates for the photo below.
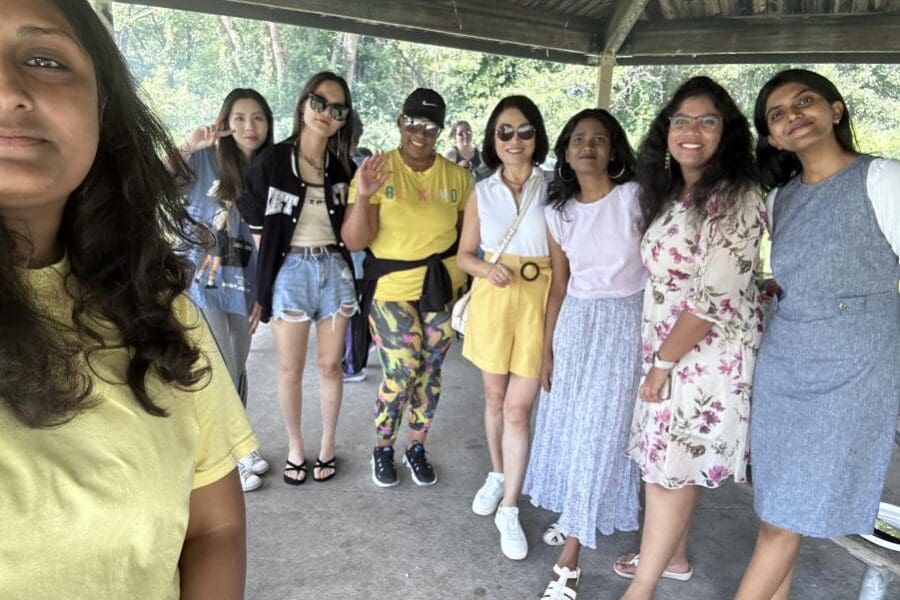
(827, 384)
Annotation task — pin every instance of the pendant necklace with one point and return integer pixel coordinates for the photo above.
(319, 169)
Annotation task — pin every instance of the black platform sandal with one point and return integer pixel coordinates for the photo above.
(289, 466)
(328, 464)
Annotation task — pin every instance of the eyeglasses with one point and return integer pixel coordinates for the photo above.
(681, 122)
(507, 132)
(339, 112)
(423, 126)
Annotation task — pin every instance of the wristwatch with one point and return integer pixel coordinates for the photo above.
(662, 364)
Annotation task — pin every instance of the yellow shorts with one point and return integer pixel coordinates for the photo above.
(505, 326)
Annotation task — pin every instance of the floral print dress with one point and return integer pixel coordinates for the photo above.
(700, 435)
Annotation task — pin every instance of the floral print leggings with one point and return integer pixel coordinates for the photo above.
(411, 347)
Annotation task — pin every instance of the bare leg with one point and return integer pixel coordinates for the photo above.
(329, 351)
(520, 394)
(771, 568)
(494, 392)
(570, 553)
(291, 343)
(784, 591)
(666, 521)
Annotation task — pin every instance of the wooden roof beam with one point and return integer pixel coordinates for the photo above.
(622, 20)
(871, 38)
(497, 27)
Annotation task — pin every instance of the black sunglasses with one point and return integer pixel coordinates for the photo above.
(339, 112)
(507, 132)
(423, 126)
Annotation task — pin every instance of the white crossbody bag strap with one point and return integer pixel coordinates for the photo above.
(523, 209)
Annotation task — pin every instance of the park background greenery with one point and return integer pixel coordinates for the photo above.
(185, 64)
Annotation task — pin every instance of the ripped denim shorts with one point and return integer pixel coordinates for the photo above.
(313, 287)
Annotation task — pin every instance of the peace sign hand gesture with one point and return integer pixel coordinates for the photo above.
(204, 137)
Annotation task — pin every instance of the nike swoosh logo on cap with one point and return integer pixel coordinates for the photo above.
(427, 103)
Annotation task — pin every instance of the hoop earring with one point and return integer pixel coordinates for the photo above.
(668, 162)
(617, 175)
(561, 171)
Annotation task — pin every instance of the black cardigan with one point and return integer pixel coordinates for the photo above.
(271, 204)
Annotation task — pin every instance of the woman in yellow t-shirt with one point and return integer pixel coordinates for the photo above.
(407, 210)
(119, 424)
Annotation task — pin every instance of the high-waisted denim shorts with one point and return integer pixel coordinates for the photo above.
(313, 287)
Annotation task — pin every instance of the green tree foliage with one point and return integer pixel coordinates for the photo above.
(187, 62)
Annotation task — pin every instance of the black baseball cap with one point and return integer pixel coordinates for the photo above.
(427, 104)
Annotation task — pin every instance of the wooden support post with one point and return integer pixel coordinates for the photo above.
(604, 80)
(105, 11)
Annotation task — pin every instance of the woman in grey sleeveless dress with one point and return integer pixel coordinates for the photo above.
(826, 388)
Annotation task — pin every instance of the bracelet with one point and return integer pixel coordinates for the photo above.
(662, 364)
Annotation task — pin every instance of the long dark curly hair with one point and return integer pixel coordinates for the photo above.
(621, 163)
(731, 170)
(117, 228)
(777, 167)
(229, 158)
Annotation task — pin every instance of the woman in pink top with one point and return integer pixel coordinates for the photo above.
(591, 363)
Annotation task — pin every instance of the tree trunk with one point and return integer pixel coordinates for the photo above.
(351, 45)
(279, 54)
(234, 42)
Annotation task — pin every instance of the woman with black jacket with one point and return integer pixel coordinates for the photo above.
(295, 197)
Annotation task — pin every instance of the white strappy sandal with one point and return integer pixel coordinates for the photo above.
(553, 536)
(557, 589)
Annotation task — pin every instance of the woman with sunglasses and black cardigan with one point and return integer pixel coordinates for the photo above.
(295, 196)
(504, 329)
(406, 210)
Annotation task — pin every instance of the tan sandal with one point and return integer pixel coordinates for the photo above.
(632, 560)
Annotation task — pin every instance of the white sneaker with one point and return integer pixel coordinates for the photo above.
(257, 463)
(489, 495)
(512, 538)
(249, 480)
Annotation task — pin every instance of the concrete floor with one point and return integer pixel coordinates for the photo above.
(346, 539)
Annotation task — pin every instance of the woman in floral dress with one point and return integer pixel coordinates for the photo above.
(701, 321)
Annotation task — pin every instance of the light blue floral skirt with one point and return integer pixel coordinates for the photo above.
(578, 465)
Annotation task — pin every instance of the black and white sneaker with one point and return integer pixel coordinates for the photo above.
(421, 470)
(384, 473)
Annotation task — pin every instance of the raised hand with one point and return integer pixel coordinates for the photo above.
(204, 137)
(371, 175)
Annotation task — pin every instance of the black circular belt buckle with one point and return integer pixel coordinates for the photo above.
(527, 268)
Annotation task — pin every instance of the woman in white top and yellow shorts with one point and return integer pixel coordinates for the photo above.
(504, 330)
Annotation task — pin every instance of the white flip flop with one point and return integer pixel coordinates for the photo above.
(635, 560)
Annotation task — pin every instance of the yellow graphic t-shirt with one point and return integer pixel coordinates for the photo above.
(417, 216)
(98, 507)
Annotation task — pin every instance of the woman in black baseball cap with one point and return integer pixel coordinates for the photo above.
(407, 208)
